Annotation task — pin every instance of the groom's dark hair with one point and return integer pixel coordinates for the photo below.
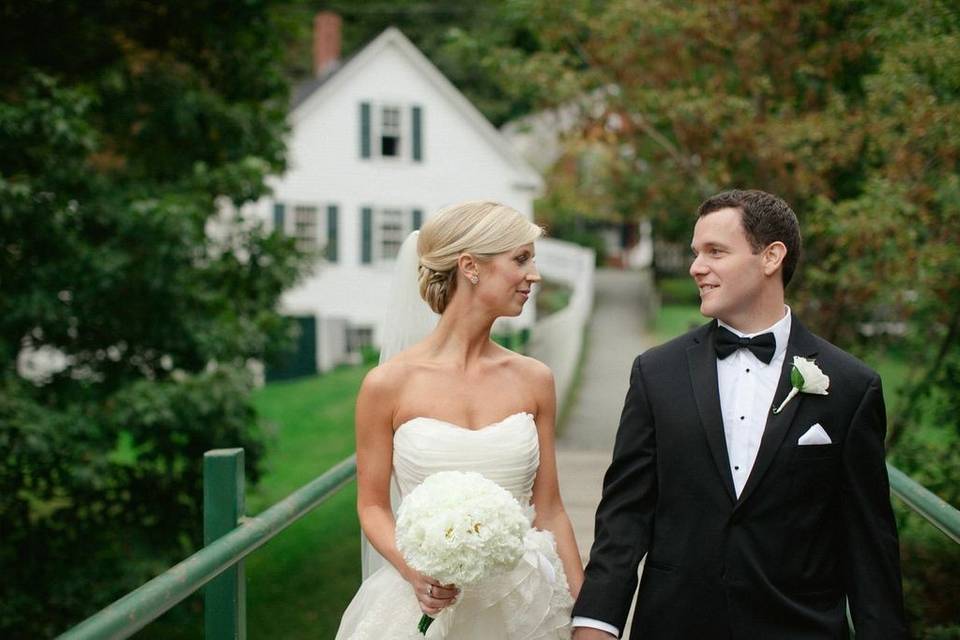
(765, 219)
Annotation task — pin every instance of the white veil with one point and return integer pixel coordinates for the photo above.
(407, 320)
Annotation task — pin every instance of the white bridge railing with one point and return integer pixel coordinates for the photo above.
(557, 340)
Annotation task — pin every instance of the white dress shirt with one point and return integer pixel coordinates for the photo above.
(747, 386)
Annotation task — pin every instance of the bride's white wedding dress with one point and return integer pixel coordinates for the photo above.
(531, 602)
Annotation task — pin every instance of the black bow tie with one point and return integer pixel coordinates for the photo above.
(763, 346)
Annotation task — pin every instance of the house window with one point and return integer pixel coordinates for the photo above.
(392, 228)
(314, 226)
(390, 132)
(383, 230)
(305, 227)
(358, 338)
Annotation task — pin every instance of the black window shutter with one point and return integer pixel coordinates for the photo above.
(279, 215)
(417, 218)
(366, 235)
(364, 129)
(417, 114)
(333, 214)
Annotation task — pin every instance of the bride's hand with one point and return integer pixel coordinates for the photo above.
(432, 596)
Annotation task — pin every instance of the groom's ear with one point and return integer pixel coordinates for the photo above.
(773, 256)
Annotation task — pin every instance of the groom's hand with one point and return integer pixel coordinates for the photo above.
(589, 633)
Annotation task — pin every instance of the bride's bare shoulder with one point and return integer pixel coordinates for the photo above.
(389, 377)
(379, 394)
(528, 368)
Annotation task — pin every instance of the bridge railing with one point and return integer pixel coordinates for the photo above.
(230, 536)
(920, 500)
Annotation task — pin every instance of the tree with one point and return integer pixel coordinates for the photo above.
(464, 39)
(120, 139)
(849, 110)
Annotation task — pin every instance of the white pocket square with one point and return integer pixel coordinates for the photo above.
(815, 435)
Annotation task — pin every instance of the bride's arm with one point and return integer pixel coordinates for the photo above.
(374, 429)
(551, 515)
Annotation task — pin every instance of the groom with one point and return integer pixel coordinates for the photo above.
(755, 523)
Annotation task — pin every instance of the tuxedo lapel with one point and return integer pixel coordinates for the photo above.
(801, 343)
(702, 359)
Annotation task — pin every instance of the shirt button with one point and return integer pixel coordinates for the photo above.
(736, 468)
(748, 370)
(742, 417)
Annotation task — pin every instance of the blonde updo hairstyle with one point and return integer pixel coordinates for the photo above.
(481, 228)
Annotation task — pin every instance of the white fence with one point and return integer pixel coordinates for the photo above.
(557, 339)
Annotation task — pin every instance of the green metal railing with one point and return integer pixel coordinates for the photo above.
(923, 502)
(230, 536)
(920, 500)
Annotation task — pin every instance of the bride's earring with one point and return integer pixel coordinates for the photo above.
(474, 278)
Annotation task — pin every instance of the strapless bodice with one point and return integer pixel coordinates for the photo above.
(529, 602)
(507, 452)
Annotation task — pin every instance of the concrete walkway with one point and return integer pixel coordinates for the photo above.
(623, 310)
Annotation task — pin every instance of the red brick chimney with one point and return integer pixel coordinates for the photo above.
(326, 41)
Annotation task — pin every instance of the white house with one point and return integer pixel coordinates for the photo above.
(377, 144)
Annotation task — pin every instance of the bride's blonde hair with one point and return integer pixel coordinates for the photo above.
(481, 228)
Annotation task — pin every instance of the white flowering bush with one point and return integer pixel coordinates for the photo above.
(460, 528)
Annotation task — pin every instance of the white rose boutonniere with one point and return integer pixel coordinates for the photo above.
(806, 377)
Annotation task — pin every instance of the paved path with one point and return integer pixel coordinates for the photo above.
(617, 334)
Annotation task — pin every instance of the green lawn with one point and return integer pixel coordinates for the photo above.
(679, 308)
(299, 583)
(676, 319)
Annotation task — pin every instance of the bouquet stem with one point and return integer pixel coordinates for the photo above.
(424, 624)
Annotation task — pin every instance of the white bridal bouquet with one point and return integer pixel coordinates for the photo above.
(460, 528)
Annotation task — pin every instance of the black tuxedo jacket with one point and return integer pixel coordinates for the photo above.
(812, 527)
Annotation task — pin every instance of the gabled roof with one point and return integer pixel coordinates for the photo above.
(312, 93)
(305, 89)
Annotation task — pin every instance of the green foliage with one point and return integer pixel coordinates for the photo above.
(679, 290)
(849, 110)
(929, 559)
(119, 138)
(466, 40)
(564, 214)
(369, 355)
(552, 297)
(299, 584)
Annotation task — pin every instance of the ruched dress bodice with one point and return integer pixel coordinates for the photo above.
(507, 452)
(531, 602)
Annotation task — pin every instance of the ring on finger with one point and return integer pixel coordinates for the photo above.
(430, 590)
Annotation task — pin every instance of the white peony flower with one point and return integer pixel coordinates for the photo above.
(806, 377)
(460, 528)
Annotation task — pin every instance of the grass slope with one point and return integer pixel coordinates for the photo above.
(299, 584)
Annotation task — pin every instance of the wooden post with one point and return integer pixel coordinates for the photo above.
(225, 610)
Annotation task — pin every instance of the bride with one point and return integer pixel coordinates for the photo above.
(456, 400)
